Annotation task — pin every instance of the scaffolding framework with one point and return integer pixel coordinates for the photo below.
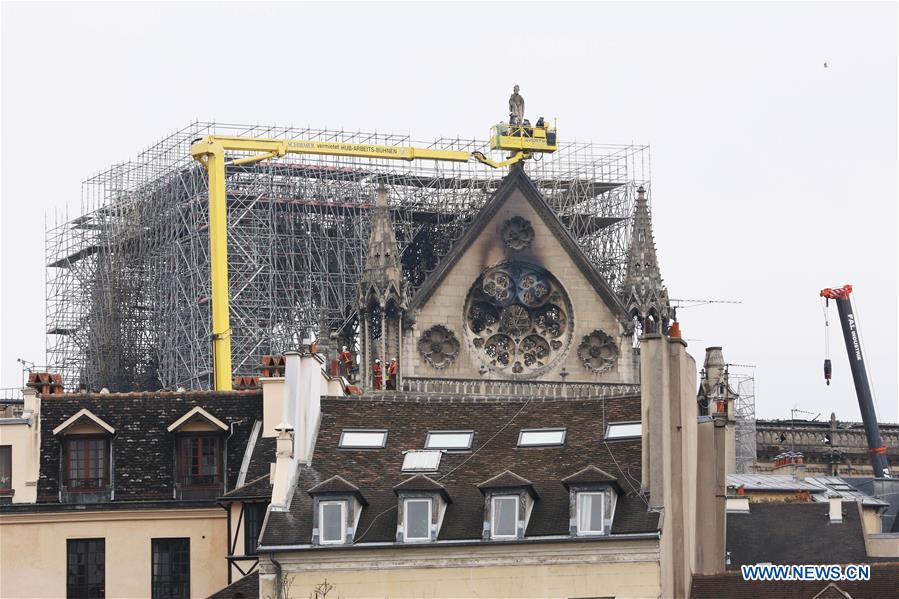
(744, 414)
(127, 282)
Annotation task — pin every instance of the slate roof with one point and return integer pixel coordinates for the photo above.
(795, 533)
(884, 582)
(421, 482)
(505, 480)
(589, 474)
(495, 421)
(143, 450)
(257, 482)
(245, 588)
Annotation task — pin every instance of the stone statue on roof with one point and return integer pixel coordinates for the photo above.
(516, 108)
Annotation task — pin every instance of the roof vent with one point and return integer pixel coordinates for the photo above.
(421, 461)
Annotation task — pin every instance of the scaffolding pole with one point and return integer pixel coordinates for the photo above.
(128, 281)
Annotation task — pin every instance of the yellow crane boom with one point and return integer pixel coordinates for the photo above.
(211, 151)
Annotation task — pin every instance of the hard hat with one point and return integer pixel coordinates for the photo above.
(378, 361)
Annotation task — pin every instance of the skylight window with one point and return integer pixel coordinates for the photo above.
(421, 461)
(541, 437)
(624, 430)
(363, 439)
(449, 440)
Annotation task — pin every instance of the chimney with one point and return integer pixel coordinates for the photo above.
(285, 467)
(669, 469)
(301, 412)
(715, 460)
(836, 509)
(653, 392)
(302, 399)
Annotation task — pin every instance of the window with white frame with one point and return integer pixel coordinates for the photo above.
(590, 513)
(449, 440)
(332, 522)
(417, 520)
(541, 437)
(624, 430)
(504, 517)
(363, 439)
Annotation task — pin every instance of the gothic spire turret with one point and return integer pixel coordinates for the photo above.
(382, 296)
(643, 292)
(383, 275)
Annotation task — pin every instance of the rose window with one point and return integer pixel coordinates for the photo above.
(438, 346)
(597, 352)
(517, 318)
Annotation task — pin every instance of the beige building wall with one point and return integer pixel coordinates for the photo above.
(552, 570)
(446, 305)
(33, 549)
(23, 435)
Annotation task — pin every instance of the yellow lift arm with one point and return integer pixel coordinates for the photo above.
(210, 151)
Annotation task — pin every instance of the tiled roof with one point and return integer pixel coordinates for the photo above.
(143, 450)
(421, 482)
(795, 533)
(884, 582)
(590, 474)
(245, 588)
(257, 483)
(505, 480)
(258, 488)
(497, 423)
(335, 484)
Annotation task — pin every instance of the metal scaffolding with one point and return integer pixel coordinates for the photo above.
(744, 414)
(127, 282)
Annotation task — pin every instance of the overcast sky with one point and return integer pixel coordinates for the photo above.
(772, 176)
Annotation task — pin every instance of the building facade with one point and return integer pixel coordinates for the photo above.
(116, 495)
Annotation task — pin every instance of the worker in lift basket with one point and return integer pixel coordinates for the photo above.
(392, 371)
(376, 374)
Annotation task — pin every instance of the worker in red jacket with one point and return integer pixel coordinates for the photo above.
(376, 374)
(346, 361)
(392, 371)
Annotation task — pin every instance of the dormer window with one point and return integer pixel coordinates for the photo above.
(590, 513)
(592, 497)
(331, 518)
(422, 505)
(509, 502)
(337, 507)
(200, 461)
(504, 517)
(199, 449)
(86, 458)
(417, 520)
(86, 464)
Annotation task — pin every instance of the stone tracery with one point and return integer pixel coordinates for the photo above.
(517, 316)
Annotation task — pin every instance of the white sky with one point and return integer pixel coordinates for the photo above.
(772, 176)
